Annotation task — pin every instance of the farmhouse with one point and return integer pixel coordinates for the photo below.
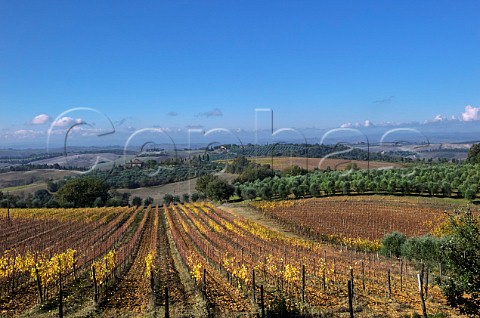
(134, 164)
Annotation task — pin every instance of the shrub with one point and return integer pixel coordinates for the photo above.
(195, 197)
(98, 203)
(462, 286)
(392, 244)
(148, 201)
(282, 307)
(137, 201)
(167, 199)
(426, 248)
(52, 203)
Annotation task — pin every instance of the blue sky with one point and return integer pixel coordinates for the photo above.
(180, 64)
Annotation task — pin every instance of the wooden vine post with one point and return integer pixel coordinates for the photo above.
(324, 279)
(39, 286)
(420, 289)
(363, 276)
(426, 282)
(262, 301)
(401, 274)
(75, 269)
(95, 286)
(60, 296)
(350, 298)
(389, 284)
(351, 279)
(303, 283)
(204, 284)
(253, 286)
(167, 305)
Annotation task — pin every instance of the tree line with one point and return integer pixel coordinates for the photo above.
(154, 174)
(443, 180)
(307, 150)
(85, 191)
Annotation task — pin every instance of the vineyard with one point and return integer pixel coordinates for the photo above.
(242, 266)
(198, 260)
(360, 221)
(85, 262)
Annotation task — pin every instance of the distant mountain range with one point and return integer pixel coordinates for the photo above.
(448, 131)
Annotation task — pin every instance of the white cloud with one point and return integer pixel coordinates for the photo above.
(40, 119)
(87, 130)
(67, 121)
(439, 118)
(389, 124)
(212, 113)
(471, 113)
(368, 123)
(25, 133)
(167, 129)
(193, 126)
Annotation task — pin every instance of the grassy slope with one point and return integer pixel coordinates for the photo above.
(177, 188)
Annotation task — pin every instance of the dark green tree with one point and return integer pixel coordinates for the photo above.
(98, 203)
(266, 193)
(219, 190)
(314, 189)
(294, 171)
(470, 193)
(424, 248)
(137, 201)
(52, 203)
(52, 186)
(43, 196)
(474, 154)
(21, 204)
(36, 203)
(392, 244)
(194, 197)
(255, 172)
(148, 200)
(176, 199)
(203, 181)
(167, 198)
(249, 193)
(238, 165)
(82, 192)
(462, 255)
(114, 201)
(150, 164)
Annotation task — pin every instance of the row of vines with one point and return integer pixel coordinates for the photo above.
(44, 251)
(222, 249)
